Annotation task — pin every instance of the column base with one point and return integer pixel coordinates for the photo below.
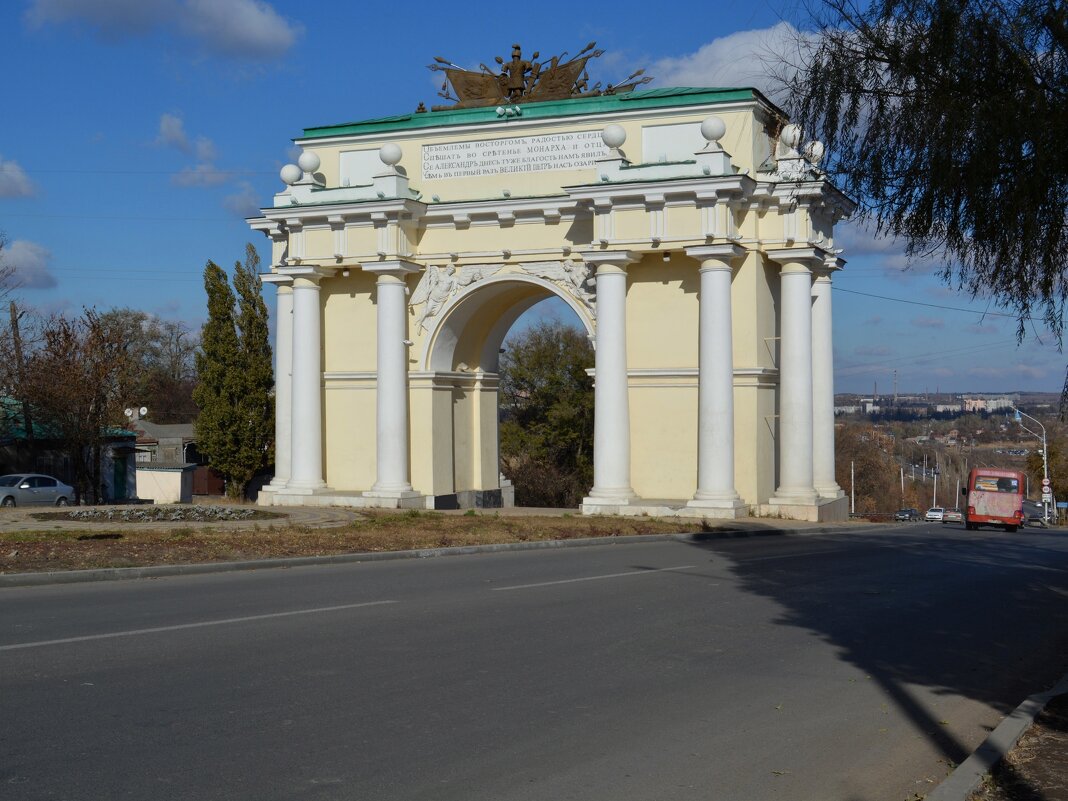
(611, 495)
(820, 510)
(830, 491)
(802, 496)
(730, 508)
(392, 492)
(607, 501)
(305, 487)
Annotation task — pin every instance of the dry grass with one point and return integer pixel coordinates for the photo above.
(127, 545)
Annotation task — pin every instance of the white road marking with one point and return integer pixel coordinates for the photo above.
(181, 626)
(595, 578)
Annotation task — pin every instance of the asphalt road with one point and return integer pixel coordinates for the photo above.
(840, 667)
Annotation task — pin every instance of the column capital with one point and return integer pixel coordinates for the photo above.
(306, 272)
(610, 258)
(725, 254)
(831, 264)
(807, 259)
(280, 281)
(395, 267)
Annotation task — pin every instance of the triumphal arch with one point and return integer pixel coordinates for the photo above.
(690, 230)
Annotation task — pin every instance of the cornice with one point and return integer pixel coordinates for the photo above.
(699, 187)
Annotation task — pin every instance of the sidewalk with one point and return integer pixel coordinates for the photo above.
(1024, 759)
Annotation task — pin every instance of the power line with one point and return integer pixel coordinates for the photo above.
(937, 306)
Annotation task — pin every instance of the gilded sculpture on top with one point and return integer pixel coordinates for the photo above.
(526, 81)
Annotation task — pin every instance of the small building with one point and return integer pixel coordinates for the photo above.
(44, 453)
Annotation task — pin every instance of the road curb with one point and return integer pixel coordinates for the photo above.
(161, 571)
(966, 778)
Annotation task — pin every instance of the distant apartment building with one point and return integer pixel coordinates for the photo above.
(988, 403)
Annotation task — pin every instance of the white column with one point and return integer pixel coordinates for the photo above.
(283, 379)
(391, 395)
(611, 422)
(715, 422)
(823, 385)
(795, 377)
(306, 461)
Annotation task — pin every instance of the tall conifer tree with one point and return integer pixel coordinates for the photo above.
(236, 421)
(256, 404)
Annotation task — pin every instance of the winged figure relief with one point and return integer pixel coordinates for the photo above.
(438, 284)
(573, 276)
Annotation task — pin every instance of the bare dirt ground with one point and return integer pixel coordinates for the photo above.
(50, 541)
(1037, 768)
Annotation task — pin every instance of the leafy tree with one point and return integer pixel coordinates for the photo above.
(163, 351)
(236, 423)
(947, 119)
(76, 381)
(546, 432)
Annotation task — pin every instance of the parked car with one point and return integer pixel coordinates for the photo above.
(33, 489)
(907, 514)
(935, 514)
(953, 516)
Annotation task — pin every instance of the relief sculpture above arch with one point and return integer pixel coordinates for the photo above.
(438, 285)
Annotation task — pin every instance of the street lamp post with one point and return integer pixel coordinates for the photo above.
(1045, 459)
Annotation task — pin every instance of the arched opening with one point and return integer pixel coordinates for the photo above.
(456, 385)
(546, 404)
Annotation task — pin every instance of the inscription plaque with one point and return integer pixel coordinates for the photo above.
(575, 150)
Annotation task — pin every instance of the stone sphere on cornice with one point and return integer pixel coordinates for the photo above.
(713, 129)
(814, 151)
(290, 174)
(308, 161)
(791, 136)
(613, 136)
(391, 154)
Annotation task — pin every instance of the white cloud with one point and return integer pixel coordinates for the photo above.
(245, 202)
(862, 249)
(112, 19)
(13, 180)
(249, 29)
(746, 58)
(30, 261)
(172, 133)
(200, 175)
(206, 149)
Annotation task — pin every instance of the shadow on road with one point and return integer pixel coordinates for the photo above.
(958, 613)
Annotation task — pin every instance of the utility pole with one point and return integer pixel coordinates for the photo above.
(1047, 490)
(20, 372)
(934, 497)
(852, 491)
(895, 387)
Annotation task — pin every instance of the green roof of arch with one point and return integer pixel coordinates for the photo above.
(645, 98)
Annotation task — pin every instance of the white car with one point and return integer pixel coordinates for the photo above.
(935, 514)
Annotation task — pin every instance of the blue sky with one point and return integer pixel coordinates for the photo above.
(137, 135)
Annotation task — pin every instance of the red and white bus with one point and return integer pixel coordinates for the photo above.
(994, 498)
